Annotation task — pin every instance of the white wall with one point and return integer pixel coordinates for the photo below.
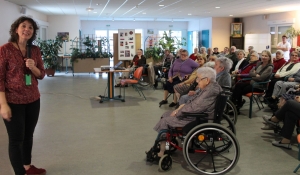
(65, 23)
(220, 32)
(9, 13)
(193, 25)
(257, 24)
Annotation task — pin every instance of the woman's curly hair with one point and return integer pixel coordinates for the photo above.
(14, 37)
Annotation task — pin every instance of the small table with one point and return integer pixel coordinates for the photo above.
(110, 84)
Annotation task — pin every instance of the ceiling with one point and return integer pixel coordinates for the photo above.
(151, 10)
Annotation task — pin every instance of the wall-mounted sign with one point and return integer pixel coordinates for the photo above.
(126, 44)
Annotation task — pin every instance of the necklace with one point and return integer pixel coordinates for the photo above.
(20, 50)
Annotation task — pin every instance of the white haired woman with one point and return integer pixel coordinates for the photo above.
(206, 78)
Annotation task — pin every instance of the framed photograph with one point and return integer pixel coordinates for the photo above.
(150, 31)
(64, 35)
(236, 30)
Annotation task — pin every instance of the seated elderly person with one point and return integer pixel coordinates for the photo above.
(289, 112)
(222, 67)
(287, 69)
(179, 69)
(282, 86)
(184, 87)
(211, 61)
(261, 73)
(241, 61)
(244, 71)
(202, 102)
(278, 61)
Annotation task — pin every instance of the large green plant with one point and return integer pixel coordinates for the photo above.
(91, 45)
(50, 49)
(167, 41)
(292, 33)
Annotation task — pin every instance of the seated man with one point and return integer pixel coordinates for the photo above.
(289, 112)
(206, 79)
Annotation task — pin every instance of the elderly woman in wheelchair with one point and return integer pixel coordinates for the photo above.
(183, 124)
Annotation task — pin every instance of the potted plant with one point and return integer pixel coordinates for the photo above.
(89, 53)
(166, 42)
(292, 33)
(50, 49)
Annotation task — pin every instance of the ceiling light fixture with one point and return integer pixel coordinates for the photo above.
(218, 7)
(230, 15)
(161, 5)
(144, 13)
(89, 9)
(189, 14)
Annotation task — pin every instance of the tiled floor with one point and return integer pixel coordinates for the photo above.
(76, 135)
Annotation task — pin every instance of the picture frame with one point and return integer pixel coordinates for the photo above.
(236, 30)
(150, 31)
(64, 35)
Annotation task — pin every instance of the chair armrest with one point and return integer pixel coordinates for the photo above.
(197, 115)
(262, 82)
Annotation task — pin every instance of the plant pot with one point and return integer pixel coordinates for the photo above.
(50, 72)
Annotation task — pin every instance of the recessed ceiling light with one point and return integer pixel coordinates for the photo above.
(161, 5)
(97, 4)
(189, 14)
(89, 9)
(144, 13)
(179, 11)
(230, 15)
(218, 7)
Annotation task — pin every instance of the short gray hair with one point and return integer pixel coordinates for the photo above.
(225, 62)
(203, 48)
(241, 51)
(280, 51)
(251, 47)
(207, 72)
(255, 53)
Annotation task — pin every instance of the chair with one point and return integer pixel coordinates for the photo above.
(134, 82)
(256, 95)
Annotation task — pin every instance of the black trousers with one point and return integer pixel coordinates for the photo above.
(289, 112)
(240, 89)
(20, 134)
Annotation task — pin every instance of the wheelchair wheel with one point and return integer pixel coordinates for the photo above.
(231, 111)
(208, 158)
(165, 162)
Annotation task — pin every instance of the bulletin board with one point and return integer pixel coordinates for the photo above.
(260, 42)
(126, 44)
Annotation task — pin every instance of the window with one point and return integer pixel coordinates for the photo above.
(176, 34)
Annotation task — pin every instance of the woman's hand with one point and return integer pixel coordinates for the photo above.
(29, 63)
(173, 114)
(277, 76)
(291, 79)
(170, 80)
(191, 93)
(5, 112)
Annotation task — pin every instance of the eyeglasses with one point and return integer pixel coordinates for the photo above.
(198, 80)
(295, 55)
(183, 55)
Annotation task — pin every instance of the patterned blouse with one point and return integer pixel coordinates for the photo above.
(12, 75)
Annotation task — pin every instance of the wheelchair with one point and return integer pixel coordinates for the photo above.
(209, 148)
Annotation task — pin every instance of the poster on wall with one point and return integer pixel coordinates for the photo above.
(64, 36)
(126, 42)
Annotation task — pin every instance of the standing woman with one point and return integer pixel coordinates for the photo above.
(20, 100)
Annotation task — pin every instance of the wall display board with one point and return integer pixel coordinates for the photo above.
(126, 43)
(260, 42)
